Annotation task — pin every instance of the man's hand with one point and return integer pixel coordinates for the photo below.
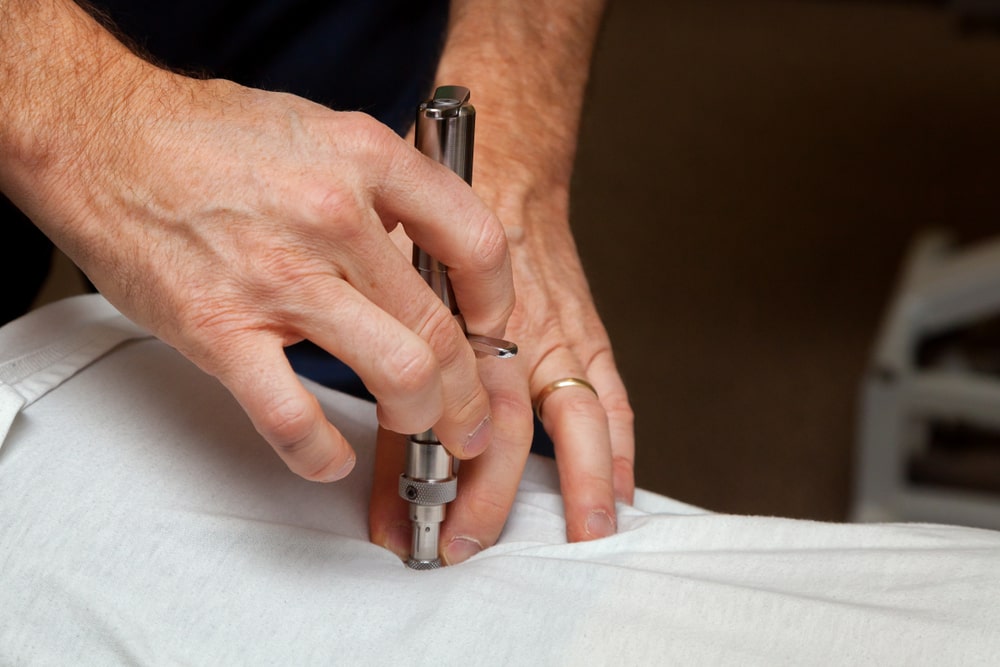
(526, 65)
(233, 222)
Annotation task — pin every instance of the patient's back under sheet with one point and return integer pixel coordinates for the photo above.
(143, 521)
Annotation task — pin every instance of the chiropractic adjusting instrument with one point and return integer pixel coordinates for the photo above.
(445, 131)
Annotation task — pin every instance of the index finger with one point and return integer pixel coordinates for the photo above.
(443, 216)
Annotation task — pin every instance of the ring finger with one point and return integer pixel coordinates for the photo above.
(578, 425)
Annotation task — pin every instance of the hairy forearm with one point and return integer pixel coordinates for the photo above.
(527, 66)
(66, 83)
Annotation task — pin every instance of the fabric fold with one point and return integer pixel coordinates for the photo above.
(27, 377)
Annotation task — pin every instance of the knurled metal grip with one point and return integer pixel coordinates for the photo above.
(414, 564)
(427, 493)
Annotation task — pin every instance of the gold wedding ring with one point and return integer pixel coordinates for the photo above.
(559, 384)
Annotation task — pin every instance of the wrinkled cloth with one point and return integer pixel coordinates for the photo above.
(144, 521)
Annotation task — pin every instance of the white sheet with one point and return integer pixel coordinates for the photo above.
(142, 521)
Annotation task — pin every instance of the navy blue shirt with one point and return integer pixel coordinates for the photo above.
(376, 56)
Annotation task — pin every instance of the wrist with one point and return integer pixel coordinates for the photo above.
(528, 107)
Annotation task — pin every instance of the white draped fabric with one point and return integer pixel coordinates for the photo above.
(143, 521)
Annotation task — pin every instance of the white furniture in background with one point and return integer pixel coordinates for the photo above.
(943, 290)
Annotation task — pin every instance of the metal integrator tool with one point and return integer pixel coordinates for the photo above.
(445, 131)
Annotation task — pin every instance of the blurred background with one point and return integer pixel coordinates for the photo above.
(750, 175)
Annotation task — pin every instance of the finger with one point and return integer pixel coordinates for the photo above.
(487, 485)
(388, 514)
(403, 372)
(288, 417)
(621, 422)
(444, 217)
(578, 425)
(396, 364)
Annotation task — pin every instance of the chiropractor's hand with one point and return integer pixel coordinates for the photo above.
(233, 222)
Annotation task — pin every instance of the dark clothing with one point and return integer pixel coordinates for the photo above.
(372, 56)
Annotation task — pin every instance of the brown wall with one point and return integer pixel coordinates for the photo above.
(749, 176)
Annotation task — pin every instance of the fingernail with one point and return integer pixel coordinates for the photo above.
(480, 439)
(461, 549)
(600, 524)
(343, 471)
(399, 538)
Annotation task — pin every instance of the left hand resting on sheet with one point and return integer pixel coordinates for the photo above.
(559, 334)
(528, 112)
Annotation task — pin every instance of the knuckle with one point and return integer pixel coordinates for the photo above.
(489, 249)
(364, 125)
(372, 138)
(444, 335)
(334, 204)
(412, 367)
(211, 329)
(623, 465)
(615, 400)
(341, 205)
(287, 425)
(491, 253)
(517, 411)
(619, 409)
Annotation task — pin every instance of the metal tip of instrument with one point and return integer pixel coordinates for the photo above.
(492, 347)
(414, 564)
